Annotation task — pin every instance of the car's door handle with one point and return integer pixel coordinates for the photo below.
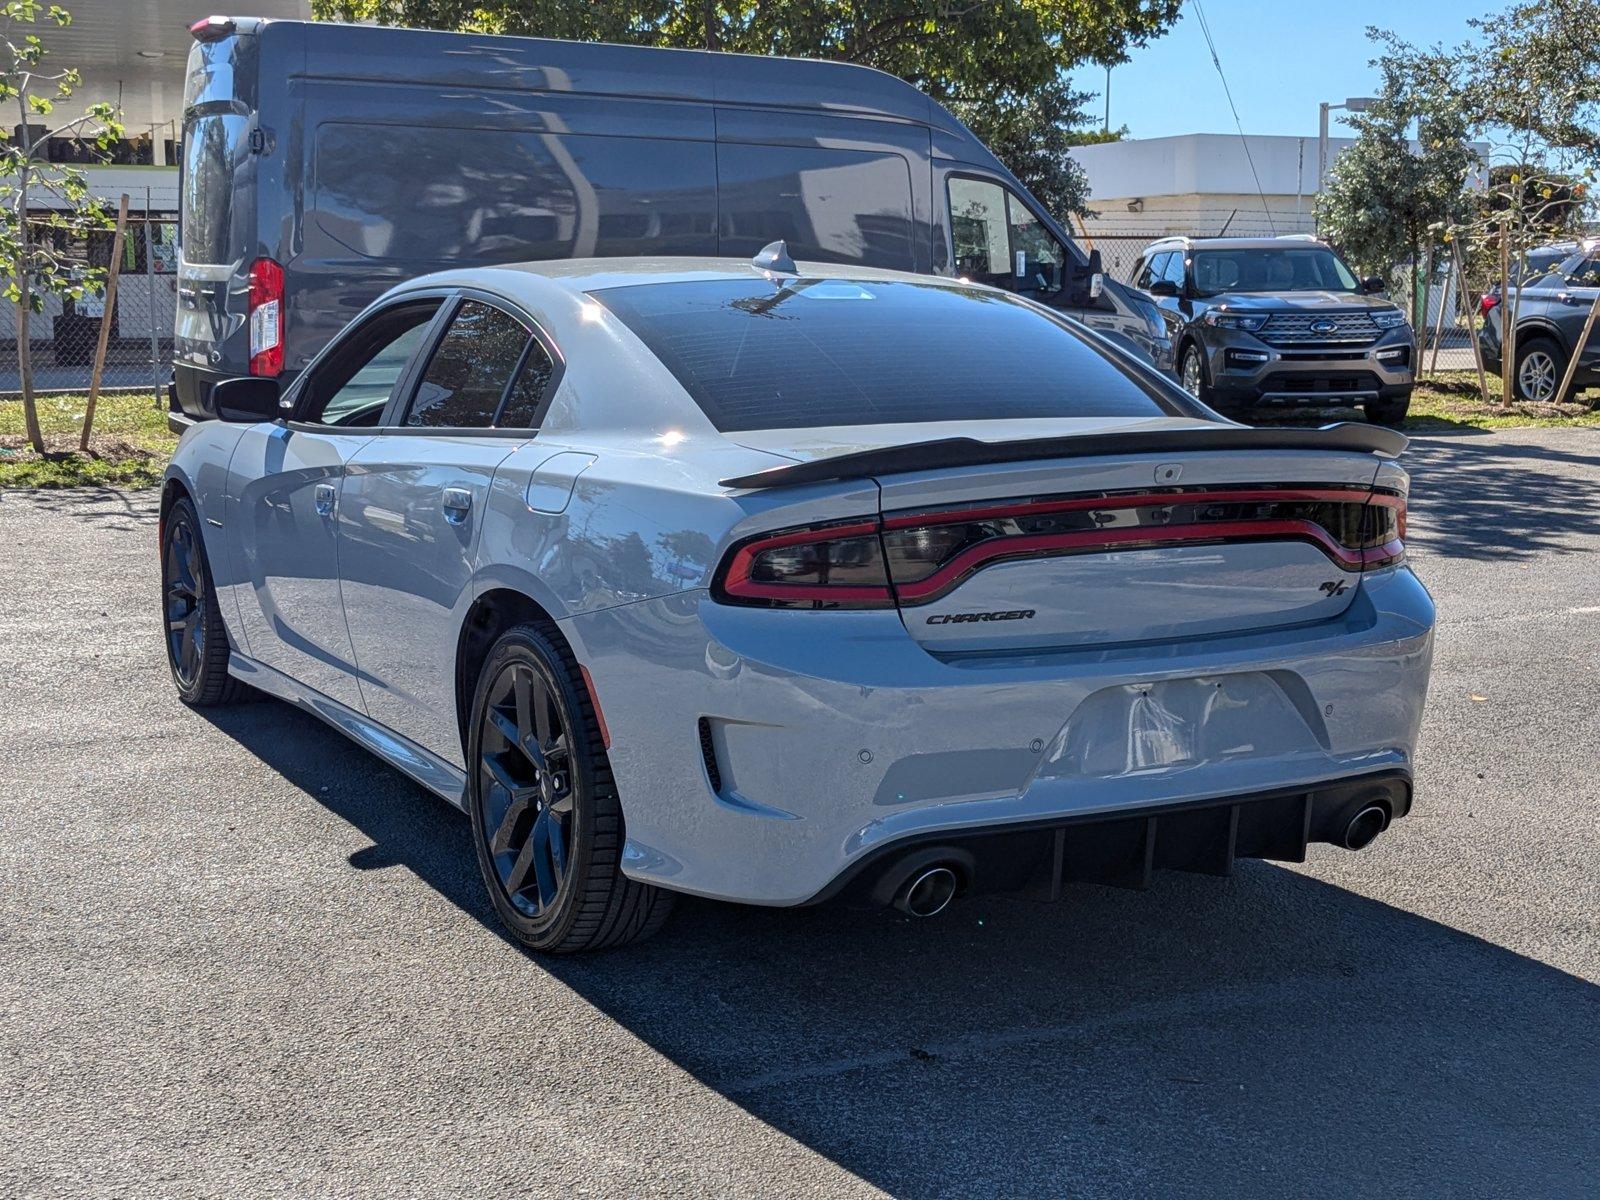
(457, 503)
(324, 496)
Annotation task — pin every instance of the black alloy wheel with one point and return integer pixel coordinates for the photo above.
(197, 641)
(546, 819)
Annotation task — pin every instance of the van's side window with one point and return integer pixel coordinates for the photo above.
(999, 241)
(978, 228)
(1038, 259)
(468, 374)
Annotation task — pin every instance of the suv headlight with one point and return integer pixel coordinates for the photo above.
(1388, 318)
(1228, 320)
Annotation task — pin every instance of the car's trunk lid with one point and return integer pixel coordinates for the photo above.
(1076, 553)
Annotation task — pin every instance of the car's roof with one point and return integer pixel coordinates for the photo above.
(580, 275)
(1284, 242)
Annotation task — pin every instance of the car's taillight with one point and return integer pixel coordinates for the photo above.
(823, 566)
(1488, 301)
(915, 558)
(266, 317)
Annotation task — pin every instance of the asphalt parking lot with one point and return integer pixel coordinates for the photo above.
(240, 957)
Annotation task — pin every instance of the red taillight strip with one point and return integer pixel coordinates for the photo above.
(1147, 537)
(737, 581)
(1142, 500)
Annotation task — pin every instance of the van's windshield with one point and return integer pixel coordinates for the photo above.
(1263, 269)
(817, 352)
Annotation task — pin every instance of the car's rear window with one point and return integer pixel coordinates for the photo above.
(760, 355)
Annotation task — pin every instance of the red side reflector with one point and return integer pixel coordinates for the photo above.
(594, 699)
(266, 317)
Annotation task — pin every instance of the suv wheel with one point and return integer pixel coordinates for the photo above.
(1539, 370)
(1192, 374)
(1388, 412)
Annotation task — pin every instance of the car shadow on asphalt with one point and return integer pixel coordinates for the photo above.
(1268, 1034)
(1503, 500)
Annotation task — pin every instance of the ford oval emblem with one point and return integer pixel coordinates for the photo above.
(1324, 326)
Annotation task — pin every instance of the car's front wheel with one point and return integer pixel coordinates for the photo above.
(1192, 374)
(197, 640)
(546, 820)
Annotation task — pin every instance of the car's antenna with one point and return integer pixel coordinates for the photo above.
(773, 260)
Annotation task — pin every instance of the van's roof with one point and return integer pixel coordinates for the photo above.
(437, 57)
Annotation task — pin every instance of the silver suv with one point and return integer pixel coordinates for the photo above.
(1258, 321)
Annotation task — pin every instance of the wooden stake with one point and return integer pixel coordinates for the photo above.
(1577, 351)
(1508, 318)
(105, 323)
(1472, 324)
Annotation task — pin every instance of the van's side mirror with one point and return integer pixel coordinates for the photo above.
(1373, 284)
(1097, 285)
(1162, 287)
(246, 400)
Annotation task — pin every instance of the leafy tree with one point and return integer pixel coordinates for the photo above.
(1001, 66)
(33, 260)
(1529, 86)
(1386, 198)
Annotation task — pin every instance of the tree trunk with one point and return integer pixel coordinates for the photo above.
(30, 412)
(709, 11)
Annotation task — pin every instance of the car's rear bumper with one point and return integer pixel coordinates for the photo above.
(836, 739)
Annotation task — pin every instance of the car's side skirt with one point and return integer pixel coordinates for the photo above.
(444, 779)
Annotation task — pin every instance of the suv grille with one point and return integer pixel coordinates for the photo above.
(1301, 329)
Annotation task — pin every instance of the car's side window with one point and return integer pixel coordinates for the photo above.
(1173, 270)
(521, 408)
(351, 386)
(1147, 272)
(469, 372)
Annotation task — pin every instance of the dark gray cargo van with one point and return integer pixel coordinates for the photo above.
(324, 163)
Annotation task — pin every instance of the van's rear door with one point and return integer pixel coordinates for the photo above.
(217, 224)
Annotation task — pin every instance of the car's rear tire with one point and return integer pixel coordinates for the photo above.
(1538, 371)
(546, 819)
(197, 640)
(1390, 411)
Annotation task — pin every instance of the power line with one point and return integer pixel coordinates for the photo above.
(1237, 124)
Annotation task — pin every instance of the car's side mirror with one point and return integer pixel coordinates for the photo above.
(1163, 287)
(246, 400)
(1373, 284)
(1097, 285)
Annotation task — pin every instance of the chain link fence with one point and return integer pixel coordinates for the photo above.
(63, 337)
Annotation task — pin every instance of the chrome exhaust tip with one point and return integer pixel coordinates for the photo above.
(1365, 826)
(928, 892)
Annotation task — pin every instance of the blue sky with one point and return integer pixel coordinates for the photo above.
(1281, 59)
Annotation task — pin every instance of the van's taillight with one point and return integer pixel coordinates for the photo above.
(823, 566)
(211, 29)
(915, 558)
(266, 317)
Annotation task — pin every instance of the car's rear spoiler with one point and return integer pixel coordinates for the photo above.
(968, 452)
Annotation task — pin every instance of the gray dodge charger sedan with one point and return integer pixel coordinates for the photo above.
(774, 582)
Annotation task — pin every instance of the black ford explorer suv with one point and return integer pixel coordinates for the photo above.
(1258, 321)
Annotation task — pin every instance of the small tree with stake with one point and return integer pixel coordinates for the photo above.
(34, 260)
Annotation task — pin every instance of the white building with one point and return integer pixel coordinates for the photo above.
(1203, 183)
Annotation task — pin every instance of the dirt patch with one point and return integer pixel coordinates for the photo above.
(15, 448)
